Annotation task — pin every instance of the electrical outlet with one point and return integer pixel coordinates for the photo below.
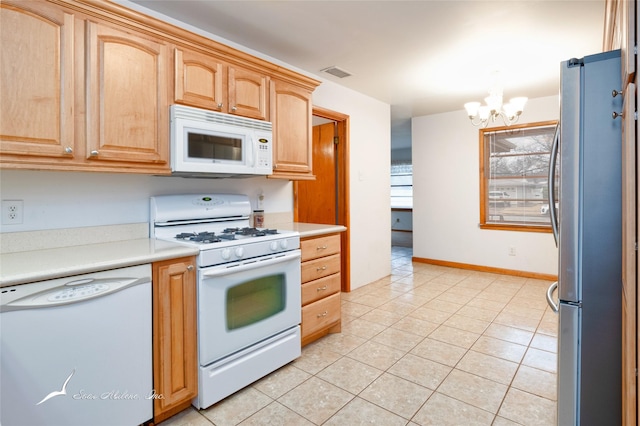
(12, 212)
(512, 251)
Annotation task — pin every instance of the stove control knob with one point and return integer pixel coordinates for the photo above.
(226, 254)
(273, 245)
(239, 251)
(283, 244)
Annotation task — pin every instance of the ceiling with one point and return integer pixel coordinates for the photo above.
(421, 57)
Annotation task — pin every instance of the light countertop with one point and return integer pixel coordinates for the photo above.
(312, 229)
(48, 263)
(37, 265)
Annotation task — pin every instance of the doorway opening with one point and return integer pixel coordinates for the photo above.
(325, 200)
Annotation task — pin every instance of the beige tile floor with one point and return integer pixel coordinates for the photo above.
(427, 345)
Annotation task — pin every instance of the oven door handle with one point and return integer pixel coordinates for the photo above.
(249, 264)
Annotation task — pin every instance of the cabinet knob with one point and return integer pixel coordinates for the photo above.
(616, 115)
(234, 108)
(68, 150)
(322, 268)
(94, 153)
(615, 93)
(220, 105)
(190, 268)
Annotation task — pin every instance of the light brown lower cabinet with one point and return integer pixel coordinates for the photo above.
(175, 364)
(320, 287)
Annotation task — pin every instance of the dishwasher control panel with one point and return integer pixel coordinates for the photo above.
(73, 289)
(79, 292)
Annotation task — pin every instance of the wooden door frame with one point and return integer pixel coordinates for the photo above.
(342, 155)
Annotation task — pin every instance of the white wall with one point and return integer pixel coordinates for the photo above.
(446, 201)
(57, 200)
(369, 180)
(63, 200)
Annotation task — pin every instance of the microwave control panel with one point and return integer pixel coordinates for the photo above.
(264, 157)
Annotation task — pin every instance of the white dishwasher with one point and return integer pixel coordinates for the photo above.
(77, 350)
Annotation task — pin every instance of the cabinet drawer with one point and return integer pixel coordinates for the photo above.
(317, 289)
(321, 246)
(320, 314)
(325, 266)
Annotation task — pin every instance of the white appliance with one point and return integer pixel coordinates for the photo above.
(77, 350)
(588, 231)
(211, 144)
(248, 287)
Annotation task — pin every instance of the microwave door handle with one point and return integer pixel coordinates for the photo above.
(251, 151)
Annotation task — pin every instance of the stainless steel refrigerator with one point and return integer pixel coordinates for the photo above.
(585, 185)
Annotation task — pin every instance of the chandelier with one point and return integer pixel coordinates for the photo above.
(482, 115)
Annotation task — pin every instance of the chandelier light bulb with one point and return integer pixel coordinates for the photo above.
(484, 112)
(472, 108)
(518, 103)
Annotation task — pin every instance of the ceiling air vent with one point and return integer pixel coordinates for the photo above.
(340, 73)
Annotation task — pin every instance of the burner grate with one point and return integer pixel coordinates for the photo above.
(250, 232)
(200, 237)
(227, 234)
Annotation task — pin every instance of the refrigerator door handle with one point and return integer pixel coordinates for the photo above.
(550, 290)
(551, 184)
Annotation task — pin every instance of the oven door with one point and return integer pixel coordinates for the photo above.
(242, 303)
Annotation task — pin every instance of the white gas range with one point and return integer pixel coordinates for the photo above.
(248, 288)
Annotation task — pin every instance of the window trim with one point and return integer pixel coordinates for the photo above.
(484, 182)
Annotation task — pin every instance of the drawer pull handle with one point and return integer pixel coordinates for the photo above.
(321, 248)
(322, 268)
(324, 314)
(322, 288)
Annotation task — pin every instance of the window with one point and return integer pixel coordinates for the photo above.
(401, 186)
(514, 163)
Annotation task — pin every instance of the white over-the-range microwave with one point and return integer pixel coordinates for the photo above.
(212, 144)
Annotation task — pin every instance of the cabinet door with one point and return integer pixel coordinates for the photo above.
(198, 80)
(174, 336)
(247, 93)
(127, 112)
(36, 80)
(291, 117)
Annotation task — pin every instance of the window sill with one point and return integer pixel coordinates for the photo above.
(517, 228)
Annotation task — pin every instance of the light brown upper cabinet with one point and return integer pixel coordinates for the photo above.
(78, 94)
(205, 81)
(37, 81)
(127, 111)
(291, 117)
(198, 80)
(87, 85)
(248, 91)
